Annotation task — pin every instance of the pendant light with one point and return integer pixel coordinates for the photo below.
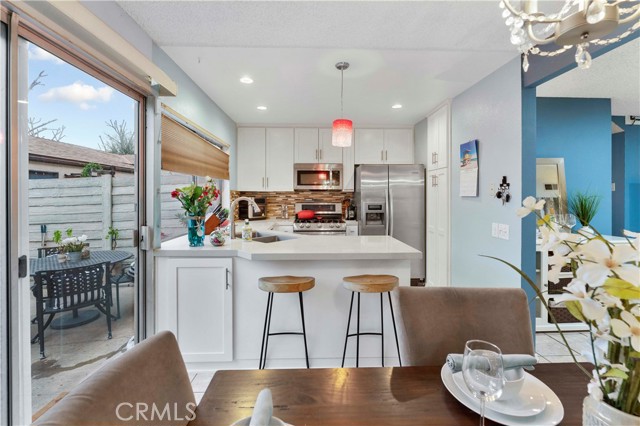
(342, 133)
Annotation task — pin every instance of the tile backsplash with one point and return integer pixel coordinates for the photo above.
(276, 199)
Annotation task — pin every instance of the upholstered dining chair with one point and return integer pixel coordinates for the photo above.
(438, 321)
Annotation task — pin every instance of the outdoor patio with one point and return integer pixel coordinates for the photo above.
(74, 353)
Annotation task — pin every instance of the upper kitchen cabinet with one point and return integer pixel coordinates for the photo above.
(265, 159)
(438, 138)
(314, 146)
(348, 168)
(279, 159)
(251, 158)
(384, 146)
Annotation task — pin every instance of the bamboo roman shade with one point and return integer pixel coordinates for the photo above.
(184, 151)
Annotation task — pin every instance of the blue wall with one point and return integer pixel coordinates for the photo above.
(631, 175)
(490, 111)
(579, 130)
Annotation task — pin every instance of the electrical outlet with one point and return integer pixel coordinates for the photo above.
(503, 231)
(494, 230)
(492, 190)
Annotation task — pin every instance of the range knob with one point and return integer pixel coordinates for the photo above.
(308, 225)
(319, 225)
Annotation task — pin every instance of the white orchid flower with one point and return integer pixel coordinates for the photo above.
(208, 179)
(591, 309)
(600, 262)
(529, 205)
(635, 310)
(594, 390)
(629, 326)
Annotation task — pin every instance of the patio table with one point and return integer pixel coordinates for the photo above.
(51, 264)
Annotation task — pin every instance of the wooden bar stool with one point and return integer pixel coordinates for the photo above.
(370, 284)
(283, 284)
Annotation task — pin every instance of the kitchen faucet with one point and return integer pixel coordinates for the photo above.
(232, 213)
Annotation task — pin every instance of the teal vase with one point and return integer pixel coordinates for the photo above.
(195, 230)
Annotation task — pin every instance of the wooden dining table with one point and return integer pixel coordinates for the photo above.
(365, 396)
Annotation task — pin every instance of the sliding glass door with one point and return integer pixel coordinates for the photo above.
(4, 275)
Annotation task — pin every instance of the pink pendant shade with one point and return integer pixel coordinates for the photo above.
(342, 132)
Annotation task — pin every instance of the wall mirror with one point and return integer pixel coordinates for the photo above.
(551, 185)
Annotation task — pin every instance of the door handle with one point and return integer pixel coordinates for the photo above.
(388, 218)
(227, 278)
(390, 213)
(22, 266)
(436, 176)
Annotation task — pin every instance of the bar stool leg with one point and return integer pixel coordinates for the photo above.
(382, 328)
(266, 343)
(346, 338)
(393, 318)
(358, 335)
(264, 331)
(304, 331)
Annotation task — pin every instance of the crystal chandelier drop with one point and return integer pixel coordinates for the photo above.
(578, 23)
(342, 132)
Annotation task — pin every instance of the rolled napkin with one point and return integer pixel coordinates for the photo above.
(263, 410)
(454, 361)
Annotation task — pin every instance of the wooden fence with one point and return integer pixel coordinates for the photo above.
(91, 205)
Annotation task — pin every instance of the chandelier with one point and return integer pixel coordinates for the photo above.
(578, 23)
(342, 133)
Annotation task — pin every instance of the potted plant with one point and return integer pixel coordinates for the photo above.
(71, 245)
(584, 206)
(113, 234)
(605, 295)
(90, 169)
(196, 200)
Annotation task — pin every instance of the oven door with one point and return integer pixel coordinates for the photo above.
(327, 177)
(328, 233)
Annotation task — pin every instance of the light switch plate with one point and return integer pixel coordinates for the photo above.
(503, 231)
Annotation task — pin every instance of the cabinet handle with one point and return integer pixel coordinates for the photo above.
(437, 178)
(316, 154)
(267, 182)
(433, 156)
(227, 277)
(382, 155)
(320, 154)
(436, 157)
(263, 181)
(386, 155)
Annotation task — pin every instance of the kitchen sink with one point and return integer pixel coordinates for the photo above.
(267, 239)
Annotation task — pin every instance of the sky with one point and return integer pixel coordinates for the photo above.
(78, 101)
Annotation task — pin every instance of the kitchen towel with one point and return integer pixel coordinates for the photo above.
(454, 361)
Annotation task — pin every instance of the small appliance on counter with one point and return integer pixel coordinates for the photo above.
(351, 211)
(244, 212)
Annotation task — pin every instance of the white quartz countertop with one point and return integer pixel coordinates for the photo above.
(297, 247)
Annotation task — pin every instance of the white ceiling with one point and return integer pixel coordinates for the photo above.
(614, 75)
(416, 53)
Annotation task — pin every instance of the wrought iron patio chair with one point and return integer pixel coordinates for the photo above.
(69, 290)
(126, 276)
(47, 251)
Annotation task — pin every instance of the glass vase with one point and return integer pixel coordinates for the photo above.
(598, 413)
(195, 230)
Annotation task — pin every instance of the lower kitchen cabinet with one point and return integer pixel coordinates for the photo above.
(194, 300)
(438, 228)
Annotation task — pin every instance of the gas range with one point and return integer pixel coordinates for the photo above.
(328, 219)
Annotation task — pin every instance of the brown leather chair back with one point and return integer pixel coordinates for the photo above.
(438, 321)
(147, 385)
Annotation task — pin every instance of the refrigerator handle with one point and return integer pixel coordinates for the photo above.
(390, 204)
(387, 211)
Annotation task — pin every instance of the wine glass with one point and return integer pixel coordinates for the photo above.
(483, 371)
(569, 221)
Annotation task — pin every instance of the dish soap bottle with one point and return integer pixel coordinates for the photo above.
(246, 231)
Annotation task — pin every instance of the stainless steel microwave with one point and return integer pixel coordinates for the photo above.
(312, 176)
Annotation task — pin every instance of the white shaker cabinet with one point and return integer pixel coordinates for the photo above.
(251, 158)
(314, 146)
(384, 146)
(195, 296)
(265, 159)
(279, 159)
(328, 152)
(369, 146)
(438, 138)
(348, 168)
(438, 227)
(398, 146)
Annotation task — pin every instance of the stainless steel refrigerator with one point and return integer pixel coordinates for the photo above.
(391, 201)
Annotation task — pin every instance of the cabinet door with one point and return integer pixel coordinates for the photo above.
(306, 146)
(348, 168)
(369, 146)
(328, 152)
(279, 159)
(398, 146)
(251, 154)
(352, 230)
(442, 153)
(432, 214)
(442, 226)
(433, 142)
(195, 302)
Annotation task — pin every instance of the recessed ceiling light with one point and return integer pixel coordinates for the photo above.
(262, 108)
(246, 80)
(396, 106)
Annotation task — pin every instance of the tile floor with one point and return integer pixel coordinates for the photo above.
(549, 348)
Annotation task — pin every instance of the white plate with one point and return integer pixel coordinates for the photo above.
(551, 416)
(529, 402)
(274, 422)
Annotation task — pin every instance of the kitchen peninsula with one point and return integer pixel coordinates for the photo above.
(209, 297)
